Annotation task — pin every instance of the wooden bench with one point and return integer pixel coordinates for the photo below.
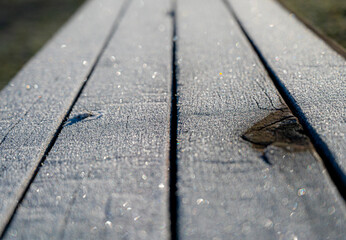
(179, 119)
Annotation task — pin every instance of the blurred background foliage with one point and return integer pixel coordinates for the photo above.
(327, 16)
(25, 25)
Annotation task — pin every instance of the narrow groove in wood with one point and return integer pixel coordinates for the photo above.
(114, 27)
(334, 170)
(173, 197)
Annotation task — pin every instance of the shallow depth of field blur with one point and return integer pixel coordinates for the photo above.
(25, 25)
(327, 16)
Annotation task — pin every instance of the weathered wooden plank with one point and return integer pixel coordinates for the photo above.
(226, 188)
(106, 176)
(35, 102)
(310, 71)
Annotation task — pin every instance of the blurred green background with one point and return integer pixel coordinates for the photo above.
(327, 16)
(25, 25)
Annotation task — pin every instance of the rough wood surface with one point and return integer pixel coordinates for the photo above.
(106, 176)
(35, 102)
(227, 188)
(246, 170)
(312, 73)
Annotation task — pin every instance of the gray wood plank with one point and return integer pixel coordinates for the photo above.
(228, 189)
(107, 175)
(35, 102)
(312, 73)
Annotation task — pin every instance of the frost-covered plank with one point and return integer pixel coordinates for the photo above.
(310, 71)
(227, 188)
(35, 102)
(106, 176)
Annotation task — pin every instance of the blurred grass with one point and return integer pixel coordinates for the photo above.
(327, 16)
(25, 26)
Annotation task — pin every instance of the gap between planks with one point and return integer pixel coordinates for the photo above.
(173, 168)
(114, 27)
(174, 116)
(334, 171)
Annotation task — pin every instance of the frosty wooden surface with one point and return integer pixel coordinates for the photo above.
(245, 167)
(312, 74)
(227, 189)
(106, 176)
(35, 102)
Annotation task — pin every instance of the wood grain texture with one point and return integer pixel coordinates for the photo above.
(311, 72)
(35, 102)
(226, 188)
(106, 176)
